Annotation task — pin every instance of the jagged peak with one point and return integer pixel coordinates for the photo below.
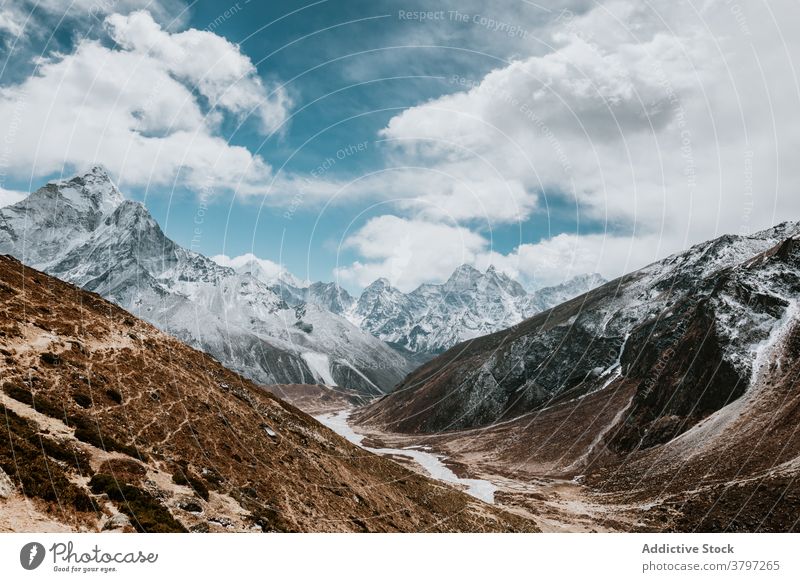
(328, 286)
(494, 272)
(94, 174)
(466, 268)
(379, 284)
(100, 171)
(464, 276)
(94, 188)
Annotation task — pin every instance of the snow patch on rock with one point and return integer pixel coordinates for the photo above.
(320, 366)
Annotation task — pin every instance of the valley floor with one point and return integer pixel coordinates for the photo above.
(554, 504)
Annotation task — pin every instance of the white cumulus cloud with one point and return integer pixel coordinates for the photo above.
(205, 61)
(409, 252)
(133, 108)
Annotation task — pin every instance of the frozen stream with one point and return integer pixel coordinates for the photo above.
(483, 490)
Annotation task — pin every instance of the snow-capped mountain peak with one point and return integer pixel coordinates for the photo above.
(502, 281)
(330, 296)
(93, 191)
(58, 217)
(379, 285)
(464, 277)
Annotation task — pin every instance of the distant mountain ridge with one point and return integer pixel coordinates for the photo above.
(470, 304)
(433, 318)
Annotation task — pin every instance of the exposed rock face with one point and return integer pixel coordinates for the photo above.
(734, 469)
(83, 231)
(688, 330)
(119, 522)
(6, 485)
(106, 415)
(331, 297)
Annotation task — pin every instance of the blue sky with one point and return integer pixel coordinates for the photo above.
(357, 139)
(351, 66)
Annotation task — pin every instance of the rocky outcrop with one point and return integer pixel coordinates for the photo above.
(6, 485)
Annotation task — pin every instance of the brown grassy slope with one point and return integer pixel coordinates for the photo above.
(164, 431)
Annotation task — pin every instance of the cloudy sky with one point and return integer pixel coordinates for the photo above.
(357, 139)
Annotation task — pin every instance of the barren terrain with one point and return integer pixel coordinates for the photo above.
(110, 424)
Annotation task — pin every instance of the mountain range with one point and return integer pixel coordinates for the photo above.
(470, 304)
(432, 317)
(272, 328)
(735, 290)
(83, 231)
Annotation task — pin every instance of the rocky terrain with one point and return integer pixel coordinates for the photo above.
(669, 394)
(84, 231)
(110, 424)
